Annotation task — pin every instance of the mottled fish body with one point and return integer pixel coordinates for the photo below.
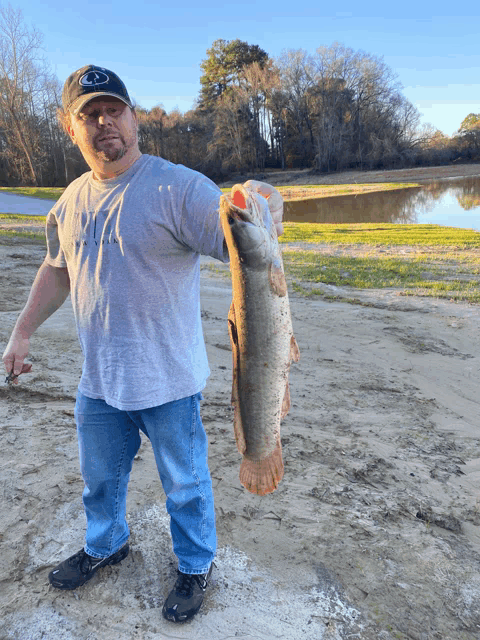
(261, 336)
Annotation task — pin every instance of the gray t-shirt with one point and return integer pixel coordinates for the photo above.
(132, 247)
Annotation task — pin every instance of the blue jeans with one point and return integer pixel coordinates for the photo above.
(108, 441)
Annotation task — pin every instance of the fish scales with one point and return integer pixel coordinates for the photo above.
(261, 336)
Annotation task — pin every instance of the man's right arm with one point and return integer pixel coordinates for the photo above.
(49, 291)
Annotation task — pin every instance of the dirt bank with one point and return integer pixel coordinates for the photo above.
(418, 174)
(374, 533)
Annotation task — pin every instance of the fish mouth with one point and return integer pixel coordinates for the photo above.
(239, 210)
(239, 197)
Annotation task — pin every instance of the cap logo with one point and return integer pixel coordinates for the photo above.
(93, 78)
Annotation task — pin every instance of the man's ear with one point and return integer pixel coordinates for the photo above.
(71, 131)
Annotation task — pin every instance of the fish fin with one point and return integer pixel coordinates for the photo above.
(294, 350)
(237, 417)
(278, 284)
(262, 476)
(238, 430)
(286, 402)
(295, 356)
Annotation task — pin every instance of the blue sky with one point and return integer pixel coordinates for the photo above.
(157, 49)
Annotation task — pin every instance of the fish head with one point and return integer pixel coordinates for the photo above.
(255, 205)
(250, 226)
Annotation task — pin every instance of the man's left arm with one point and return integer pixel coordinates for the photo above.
(200, 226)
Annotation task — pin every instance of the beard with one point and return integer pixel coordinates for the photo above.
(114, 151)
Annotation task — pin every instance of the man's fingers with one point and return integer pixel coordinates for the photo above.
(8, 363)
(263, 188)
(18, 366)
(274, 198)
(21, 367)
(13, 375)
(14, 356)
(15, 366)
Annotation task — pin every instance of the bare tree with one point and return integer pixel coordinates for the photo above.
(339, 108)
(290, 105)
(20, 83)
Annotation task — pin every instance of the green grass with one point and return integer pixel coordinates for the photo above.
(353, 185)
(312, 191)
(28, 235)
(362, 273)
(47, 193)
(422, 260)
(380, 234)
(441, 275)
(448, 274)
(16, 220)
(21, 217)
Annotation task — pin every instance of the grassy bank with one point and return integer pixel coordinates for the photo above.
(17, 226)
(289, 193)
(422, 260)
(46, 193)
(380, 234)
(310, 191)
(440, 273)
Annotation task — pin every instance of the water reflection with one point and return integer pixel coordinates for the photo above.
(452, 202)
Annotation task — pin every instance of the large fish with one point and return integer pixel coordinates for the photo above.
(261, 336)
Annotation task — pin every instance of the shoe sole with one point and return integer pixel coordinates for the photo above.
(114, 560)
(181, 619)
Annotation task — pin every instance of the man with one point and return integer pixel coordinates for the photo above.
(124, 240)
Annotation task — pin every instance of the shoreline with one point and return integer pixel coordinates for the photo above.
(353, 176)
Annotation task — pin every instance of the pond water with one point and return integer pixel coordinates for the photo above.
(452, 202)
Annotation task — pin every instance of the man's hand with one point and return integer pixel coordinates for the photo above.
(274, 199)
(14, 356)
(49, 291)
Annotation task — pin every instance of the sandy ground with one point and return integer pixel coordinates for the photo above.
(373, 534)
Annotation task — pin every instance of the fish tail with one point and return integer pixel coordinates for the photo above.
(262, 476)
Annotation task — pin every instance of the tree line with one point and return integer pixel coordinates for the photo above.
(331, 110)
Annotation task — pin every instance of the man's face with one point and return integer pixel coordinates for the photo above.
(104, 130)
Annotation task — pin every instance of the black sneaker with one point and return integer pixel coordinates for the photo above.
(186, 597)
(76, 570)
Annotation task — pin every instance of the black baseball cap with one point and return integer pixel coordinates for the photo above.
(91, 82)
